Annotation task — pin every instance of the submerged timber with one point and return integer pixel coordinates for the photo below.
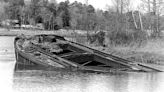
(52, 52)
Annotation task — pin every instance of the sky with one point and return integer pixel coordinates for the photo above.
(102, 4)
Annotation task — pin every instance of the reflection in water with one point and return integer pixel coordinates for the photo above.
(56, 81)
(129, 82)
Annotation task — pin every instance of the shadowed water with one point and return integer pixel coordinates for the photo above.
(57, 81)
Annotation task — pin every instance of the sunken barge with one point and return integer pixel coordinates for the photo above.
(52, 52)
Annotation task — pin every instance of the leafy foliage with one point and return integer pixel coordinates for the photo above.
(115, 21)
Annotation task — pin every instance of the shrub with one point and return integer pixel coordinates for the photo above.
(128, 37)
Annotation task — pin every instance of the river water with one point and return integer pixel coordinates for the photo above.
(56, 81)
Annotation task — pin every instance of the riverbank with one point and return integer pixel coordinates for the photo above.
(15, 32)
(152, 53)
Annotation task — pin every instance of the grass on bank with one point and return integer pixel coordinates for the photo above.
(133, 46)
(152, 52)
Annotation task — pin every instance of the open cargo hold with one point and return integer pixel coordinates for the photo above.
(52, 52)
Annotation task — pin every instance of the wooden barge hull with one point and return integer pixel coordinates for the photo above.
(82, 58)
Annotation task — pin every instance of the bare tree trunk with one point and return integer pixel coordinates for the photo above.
(148, 6)
(135, 24)
(157, 23)
(117, 2)
(149, 11)
(155, 18)
(154, 7)
(121, 6)
(140, 20)
(87, 20)
(53, 24)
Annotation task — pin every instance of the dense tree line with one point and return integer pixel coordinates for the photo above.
(63, 15)
(51, 14)
(123, 25)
